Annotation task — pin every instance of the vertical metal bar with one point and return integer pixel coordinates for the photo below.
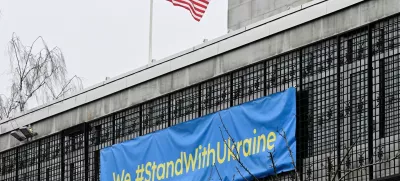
(169, 110)
(370, 103)
(3, 166)
(231, 90)
(113, 129)
(141, 120)
(338, 104)
(199, 101)
(382, 98)
(86, 149)
(62, 140)
(38, 159)
(265, 78)
(16, 163)
(96, 164)
(301, 69)
(299, 117)
(71, 171)
(48, 174)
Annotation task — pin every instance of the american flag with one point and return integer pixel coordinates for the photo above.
(196, 7)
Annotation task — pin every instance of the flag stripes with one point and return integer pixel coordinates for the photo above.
(196, 7)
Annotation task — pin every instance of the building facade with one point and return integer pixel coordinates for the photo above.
(245, 12)
(341, 55)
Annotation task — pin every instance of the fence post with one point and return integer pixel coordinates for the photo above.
(16, 162)
(338, 104)
(62, 140)
(231, 90)
(113, 129)
(299, 89)
(370, 104)
(169, 110)
(140, 119)
(265, 78)
(381, 97)
(38, 158)
(199, 101)
(86, 149)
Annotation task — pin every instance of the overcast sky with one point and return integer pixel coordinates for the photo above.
(104, 38)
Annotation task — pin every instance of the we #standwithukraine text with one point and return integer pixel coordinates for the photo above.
(202, 157)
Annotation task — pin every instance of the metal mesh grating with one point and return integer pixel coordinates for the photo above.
(215, 95)
(317, 112)
(101, 135)
(127, 124)
(155, 115)
(184, 105)
(50, 158)
(282, 72)
(74, 156)
(28, 157)
(8, 165)
(248, 84)
(353, 97)
(386, 85)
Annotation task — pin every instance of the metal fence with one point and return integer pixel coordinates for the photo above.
(348, 97)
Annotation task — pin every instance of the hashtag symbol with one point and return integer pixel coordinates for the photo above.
(139, 173)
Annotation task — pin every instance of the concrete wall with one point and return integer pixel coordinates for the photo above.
(242, 47)
(244, 12)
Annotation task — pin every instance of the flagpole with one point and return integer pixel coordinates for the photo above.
(151, 32)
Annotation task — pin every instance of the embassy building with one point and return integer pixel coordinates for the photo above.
(342, 56)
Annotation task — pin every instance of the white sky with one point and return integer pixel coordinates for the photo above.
(104, 38)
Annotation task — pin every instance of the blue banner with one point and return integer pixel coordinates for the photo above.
(230, 143)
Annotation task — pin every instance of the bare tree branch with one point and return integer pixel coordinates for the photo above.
(35, 74)
(273, 164)
(328, 167)
(348, 150)
(237, 155)
(210, 177)
(282, 133)
(241, 174)
(332, 172)
(219, 175)
(367, 165)
(69, 86)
